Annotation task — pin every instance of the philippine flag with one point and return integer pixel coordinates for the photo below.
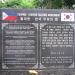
(67, 16)
(9, 16)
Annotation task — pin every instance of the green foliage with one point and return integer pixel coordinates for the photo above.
(2, 5)
(26, 3)
(48, 4)
(19, 4)
(57, 4)
(9, 4)
(69, 3)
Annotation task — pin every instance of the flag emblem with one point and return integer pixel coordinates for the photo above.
(9, 16)
(67, 16)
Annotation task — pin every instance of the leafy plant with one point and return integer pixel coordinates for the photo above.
(27, 3)
(57, 4)
(19, 4)
(48, 4)
(69, 3)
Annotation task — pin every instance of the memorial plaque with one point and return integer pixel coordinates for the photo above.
(19, 45)
(57, 39)
(57, 46)
(37, 39)
(19, 42)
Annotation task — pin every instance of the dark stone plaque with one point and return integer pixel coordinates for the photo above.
(37, 39)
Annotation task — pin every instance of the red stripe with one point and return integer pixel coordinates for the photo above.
(11, 18)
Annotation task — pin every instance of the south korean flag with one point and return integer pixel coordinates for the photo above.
(67, 16)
